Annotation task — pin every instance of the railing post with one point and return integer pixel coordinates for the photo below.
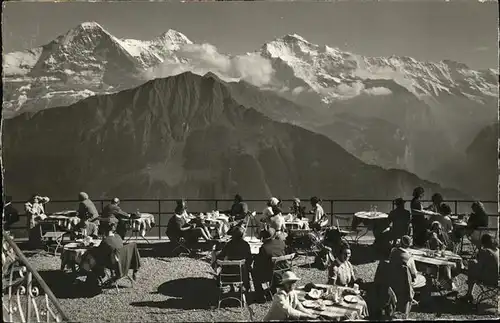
(331, 212)
(102, 206)
(159, 219)
(216, 205)
(456, 207)
(29, 284)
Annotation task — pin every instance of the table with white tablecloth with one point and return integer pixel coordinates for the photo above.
(373, 221)
(139, 224)
(73, 252)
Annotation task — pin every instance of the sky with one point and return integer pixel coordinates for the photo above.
(464, 31)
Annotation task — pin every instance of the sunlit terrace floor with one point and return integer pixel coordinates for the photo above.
(182, 289)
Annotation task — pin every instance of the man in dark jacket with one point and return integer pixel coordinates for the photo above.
(87, 212)
(114, 213)
(239, 209)
(263, 266)
(10, 214)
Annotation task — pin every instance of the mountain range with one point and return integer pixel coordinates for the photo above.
(394, 112)
(184, 136)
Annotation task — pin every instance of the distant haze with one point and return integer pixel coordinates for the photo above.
(428, 31)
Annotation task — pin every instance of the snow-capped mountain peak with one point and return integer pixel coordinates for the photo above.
(173, 37)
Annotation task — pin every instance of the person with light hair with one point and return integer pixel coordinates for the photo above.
(286, 305)
(320, 219)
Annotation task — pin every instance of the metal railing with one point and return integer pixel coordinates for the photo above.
(22, 300)
(163, 209)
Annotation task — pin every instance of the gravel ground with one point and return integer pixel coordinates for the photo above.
(182, 289)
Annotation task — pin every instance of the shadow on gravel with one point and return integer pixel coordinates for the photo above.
(66, 286)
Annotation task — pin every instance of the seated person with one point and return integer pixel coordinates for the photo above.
(286, 305)
(89, 217)
(104, 254)
(485, 268)
(444, 218)
(437, 200)
(478, 217)
(341, 271)
(239, 209)
(298, 211)
(178, 227)
(277, 222)
(10, 214)
(438, 238)
(400, 255)
(267, 213)
(263, 267)
(238, 249)
(320, 219)
(113, 211)
(35, 214)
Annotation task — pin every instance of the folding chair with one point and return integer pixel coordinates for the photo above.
(51, 236)
(487, 291)
(303, 244)
(347, 232)
(231, 278)
(279, 270)
(180, 246)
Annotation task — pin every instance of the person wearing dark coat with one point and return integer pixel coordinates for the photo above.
(238, 249)
(419, 222)
(239, 209)
(10, 214)
(87, 212)
(263, 267)
(113, 211)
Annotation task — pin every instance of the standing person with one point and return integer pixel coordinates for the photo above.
(277, 222)
(89, 217)
(35, 212)
(399, 220)
(10, 214)
(114, 213)
(286, 305)
(418, 220)
(320, 220)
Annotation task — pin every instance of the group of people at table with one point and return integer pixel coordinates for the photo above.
(432, 227)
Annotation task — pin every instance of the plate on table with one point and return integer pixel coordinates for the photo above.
(328, 302)
(315, 293)
(318, 305)
(350, 291)
(351, 299)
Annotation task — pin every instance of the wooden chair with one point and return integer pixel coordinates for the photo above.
(475, 238)
(352, 236)
(295, 239)
(231, 278)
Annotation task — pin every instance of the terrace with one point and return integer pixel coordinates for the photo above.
(183, 289)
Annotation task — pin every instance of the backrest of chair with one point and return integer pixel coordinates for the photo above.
(231, 274)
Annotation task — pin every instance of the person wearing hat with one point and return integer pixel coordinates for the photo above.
(277, 222)
(238, 249)
(263, 267)
(286, 305)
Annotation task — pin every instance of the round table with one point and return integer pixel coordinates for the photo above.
(72, 253)
(372, 220)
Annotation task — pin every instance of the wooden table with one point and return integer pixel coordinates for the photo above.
(340, 310)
